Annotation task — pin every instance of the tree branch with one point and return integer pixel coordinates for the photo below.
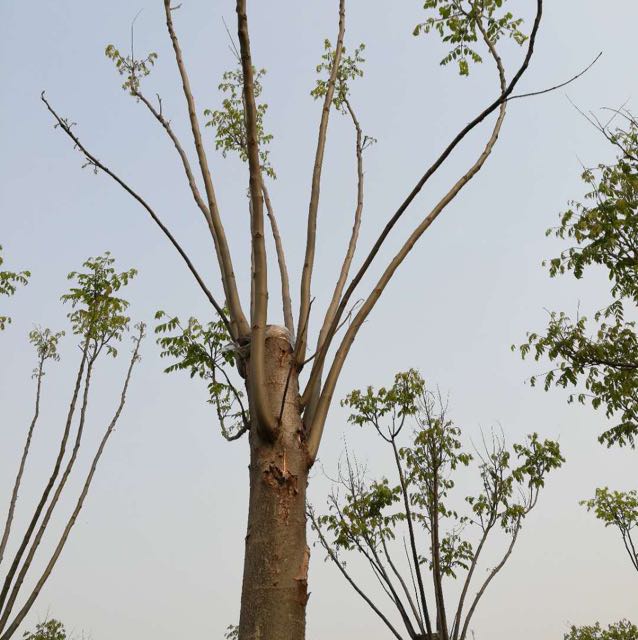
(415, 553)
(311, 395)
(23, 460)
(468, 580)
(489, 579)
(319, 362)
(557, 86)
(56, 496)
(49, 486)
(238, 319)
(281, 260)
(65, 126)
(265, 421)
(78, 507)
(353, 584)
(415, 610)
(311, 237)
(346, 343)
(182, 155)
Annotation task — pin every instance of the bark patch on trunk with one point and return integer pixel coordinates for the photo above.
(302, 578)
(285, 484)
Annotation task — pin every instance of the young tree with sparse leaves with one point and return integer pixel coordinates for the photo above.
(98, 322)
(411, 530)
(285, 374)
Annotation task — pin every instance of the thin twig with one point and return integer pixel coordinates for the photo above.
(66, 127)
(315, 189)
(558, 86)
(23, 460)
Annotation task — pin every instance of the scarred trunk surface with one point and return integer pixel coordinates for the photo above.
(274, 590)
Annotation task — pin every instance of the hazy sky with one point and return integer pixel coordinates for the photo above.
(157, 552)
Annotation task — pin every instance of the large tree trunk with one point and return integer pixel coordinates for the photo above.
(274, 590)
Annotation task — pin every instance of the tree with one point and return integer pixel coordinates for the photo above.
(601, 356)
(9, 281)
(99, 322)
(371, 517)
(622, 630)
(285, 410)
(49, 630)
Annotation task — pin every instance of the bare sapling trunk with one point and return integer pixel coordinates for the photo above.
(274, 591)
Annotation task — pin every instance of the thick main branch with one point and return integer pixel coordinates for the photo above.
(238, 319)
(259, 291)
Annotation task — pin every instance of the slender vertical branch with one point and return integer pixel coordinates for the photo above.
(6, 612)
(311, 237)
(415, 554)
(437, 576)
(335, 558)
(415, 610)
(11, 629)
(190, 177)
(311, 395)
(49, 486)
(468, 580)
(283, 268)
(266, 423)
(240, 325)
(23, 460)
(630, 548)
(487, 581)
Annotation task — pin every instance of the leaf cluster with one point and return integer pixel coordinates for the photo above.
(350, 68)
(45, 342)
(98, 314)
(604, 228)
(9, 282)
(390, 404)
(623, 630)
(205, 351)
(49, 630)
(132, 69)
(615, 508)
(229, 122)
(367, 516)
(232, 632)
(462, 23)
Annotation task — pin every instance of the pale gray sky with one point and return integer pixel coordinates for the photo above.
(157, 552)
